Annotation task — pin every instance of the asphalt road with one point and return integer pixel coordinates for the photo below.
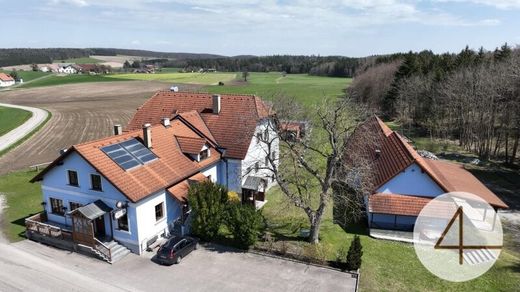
(38, 117)
(210, 268)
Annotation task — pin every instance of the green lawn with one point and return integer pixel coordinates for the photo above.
(387, 265)
(28, 75)
(187, 78)
(305, 88)
(84, 60)
(23, 199)
(68, 79)
(11, 118)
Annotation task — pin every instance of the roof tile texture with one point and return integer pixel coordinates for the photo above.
(233, 127)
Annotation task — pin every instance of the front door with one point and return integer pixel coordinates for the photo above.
(99, 227)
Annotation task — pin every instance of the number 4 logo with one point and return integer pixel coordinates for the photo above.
(460, 247)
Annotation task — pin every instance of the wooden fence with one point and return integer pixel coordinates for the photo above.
(36, 224)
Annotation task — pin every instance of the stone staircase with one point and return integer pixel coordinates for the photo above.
(110, 252)
(477, 256)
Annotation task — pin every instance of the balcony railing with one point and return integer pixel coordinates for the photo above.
(37, 224)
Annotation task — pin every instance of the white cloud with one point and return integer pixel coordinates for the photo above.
(501, 4)
(79, 3)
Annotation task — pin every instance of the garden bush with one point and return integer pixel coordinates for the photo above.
(355, 252)
(245, 223)
(208, 202)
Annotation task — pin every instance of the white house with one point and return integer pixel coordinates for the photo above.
(402, 181)
(6, 80)
(239, 124)
(67, 69)
(125, 191)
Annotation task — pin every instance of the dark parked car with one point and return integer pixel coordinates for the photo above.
(176, 248)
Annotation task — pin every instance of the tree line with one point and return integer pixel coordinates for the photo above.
(22, 56)
(472, 97)
(332, 66)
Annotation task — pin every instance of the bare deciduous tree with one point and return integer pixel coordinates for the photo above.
(309, 168)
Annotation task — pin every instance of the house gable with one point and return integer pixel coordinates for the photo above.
(414, 181)
(56, 178)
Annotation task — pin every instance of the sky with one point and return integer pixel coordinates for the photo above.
(262, 27)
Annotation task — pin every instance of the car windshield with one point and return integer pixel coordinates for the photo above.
(172, 242)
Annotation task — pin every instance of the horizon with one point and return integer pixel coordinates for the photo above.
(352, 28)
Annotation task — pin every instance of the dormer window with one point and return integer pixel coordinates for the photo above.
(204, 154)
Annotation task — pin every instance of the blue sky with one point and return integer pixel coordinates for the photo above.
(262, 27)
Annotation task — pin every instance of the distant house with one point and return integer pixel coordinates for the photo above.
(293, 130)
(67, 69)
(402, 181)
(6, 80)
(44, 68)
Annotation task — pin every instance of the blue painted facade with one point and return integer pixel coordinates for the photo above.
(412, 181)
(142, 223)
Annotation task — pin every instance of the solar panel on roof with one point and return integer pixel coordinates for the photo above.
(129, 154)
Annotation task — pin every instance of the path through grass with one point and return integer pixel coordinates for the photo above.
(11, 118)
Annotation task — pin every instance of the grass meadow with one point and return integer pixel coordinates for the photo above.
(304, 88)
(387, 265)
(11, 118)
(175, 77)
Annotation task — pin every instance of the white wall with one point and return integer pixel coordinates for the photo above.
(258, 151)
(211, 171)
(6, 83)
(147, 226)
(412, 181)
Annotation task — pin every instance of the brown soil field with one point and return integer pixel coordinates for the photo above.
(80, 112)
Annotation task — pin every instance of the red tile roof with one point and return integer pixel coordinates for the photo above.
(171, 167)
(190, 145)
(407, 205)
(180, 190)
(396, 204)
(6, 77)
(395, 155)
(456, 178)
(233, 128)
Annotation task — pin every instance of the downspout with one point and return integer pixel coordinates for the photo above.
(227, 174)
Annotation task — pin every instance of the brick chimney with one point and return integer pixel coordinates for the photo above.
(118, 129)
(147, 135)
(216, 103)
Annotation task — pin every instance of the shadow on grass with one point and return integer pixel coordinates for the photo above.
(359, 228)
(503, 182)
(21, 222)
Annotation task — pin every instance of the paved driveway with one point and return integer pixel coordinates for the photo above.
(207, 269)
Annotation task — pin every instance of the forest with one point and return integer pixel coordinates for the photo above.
(472, 97)
(332, 66)
(20, 56)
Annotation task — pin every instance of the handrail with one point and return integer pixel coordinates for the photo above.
(37, 166)
(105, 250)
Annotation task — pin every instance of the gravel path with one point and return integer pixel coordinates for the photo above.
(18, 133)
